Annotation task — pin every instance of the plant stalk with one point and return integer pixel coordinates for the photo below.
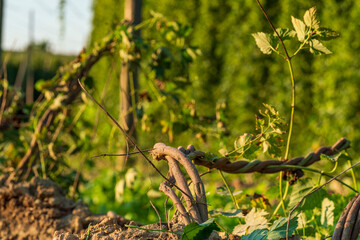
(292, 109)
(229, 190)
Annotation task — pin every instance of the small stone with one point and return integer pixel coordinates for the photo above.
(111, 214)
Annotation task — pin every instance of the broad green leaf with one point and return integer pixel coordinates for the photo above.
(195, 231)
(285, 33)
(326, 34)
(255, 219)
(278, 229)
(299, 27)
(258, 234)
(263, 41)
(327, 212)
(251, 152)
(317, 48)
(301, 188)
(310, 18)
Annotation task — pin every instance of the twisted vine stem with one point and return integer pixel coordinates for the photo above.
(269, 166)
(197, 209)
(348, 226)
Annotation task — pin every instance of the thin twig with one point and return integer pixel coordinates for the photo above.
(127, 137)
(96, 123)
(316, 189)
(274, 29)
(121, 155)
(151, 230)
(166, 214)
(158, 214)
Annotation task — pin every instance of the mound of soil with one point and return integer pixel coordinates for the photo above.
(39, 209)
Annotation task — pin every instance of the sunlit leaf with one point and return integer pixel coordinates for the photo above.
(302, 220)
(310, 18)
(255, 219)
(299, 27)
(317, 48)
(327, 212)
(272, 109)
(266, 145)
(242, 140)
(263, 41)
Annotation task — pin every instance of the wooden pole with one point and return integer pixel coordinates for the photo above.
(132, 13)
(129, 80)
(30, 74)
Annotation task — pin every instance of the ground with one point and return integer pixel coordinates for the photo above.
(39, 209)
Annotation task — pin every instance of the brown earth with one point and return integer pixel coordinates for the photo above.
(39, 209)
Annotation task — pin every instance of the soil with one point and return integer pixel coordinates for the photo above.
(39, 209)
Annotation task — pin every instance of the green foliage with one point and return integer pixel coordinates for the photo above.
(254, 220)
(195, 231)
(279, 227)
(307, 32)
(267, 139)
(301, 188)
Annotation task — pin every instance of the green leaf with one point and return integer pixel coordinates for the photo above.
(272, 109)
(242, 140)
(310, 18)
(301, 188)
(251, 152)
(344, 156)
(285, 33)
(258, 234)
(326, 34)
(278, 229)
(195, 231)
(299, 27)
(255, 219)
(328, 158)
(317, 48)
(263, 41)
(327, 212)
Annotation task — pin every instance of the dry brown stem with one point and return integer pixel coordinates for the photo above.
(166, 189)
(161, 151)
(348, 225)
